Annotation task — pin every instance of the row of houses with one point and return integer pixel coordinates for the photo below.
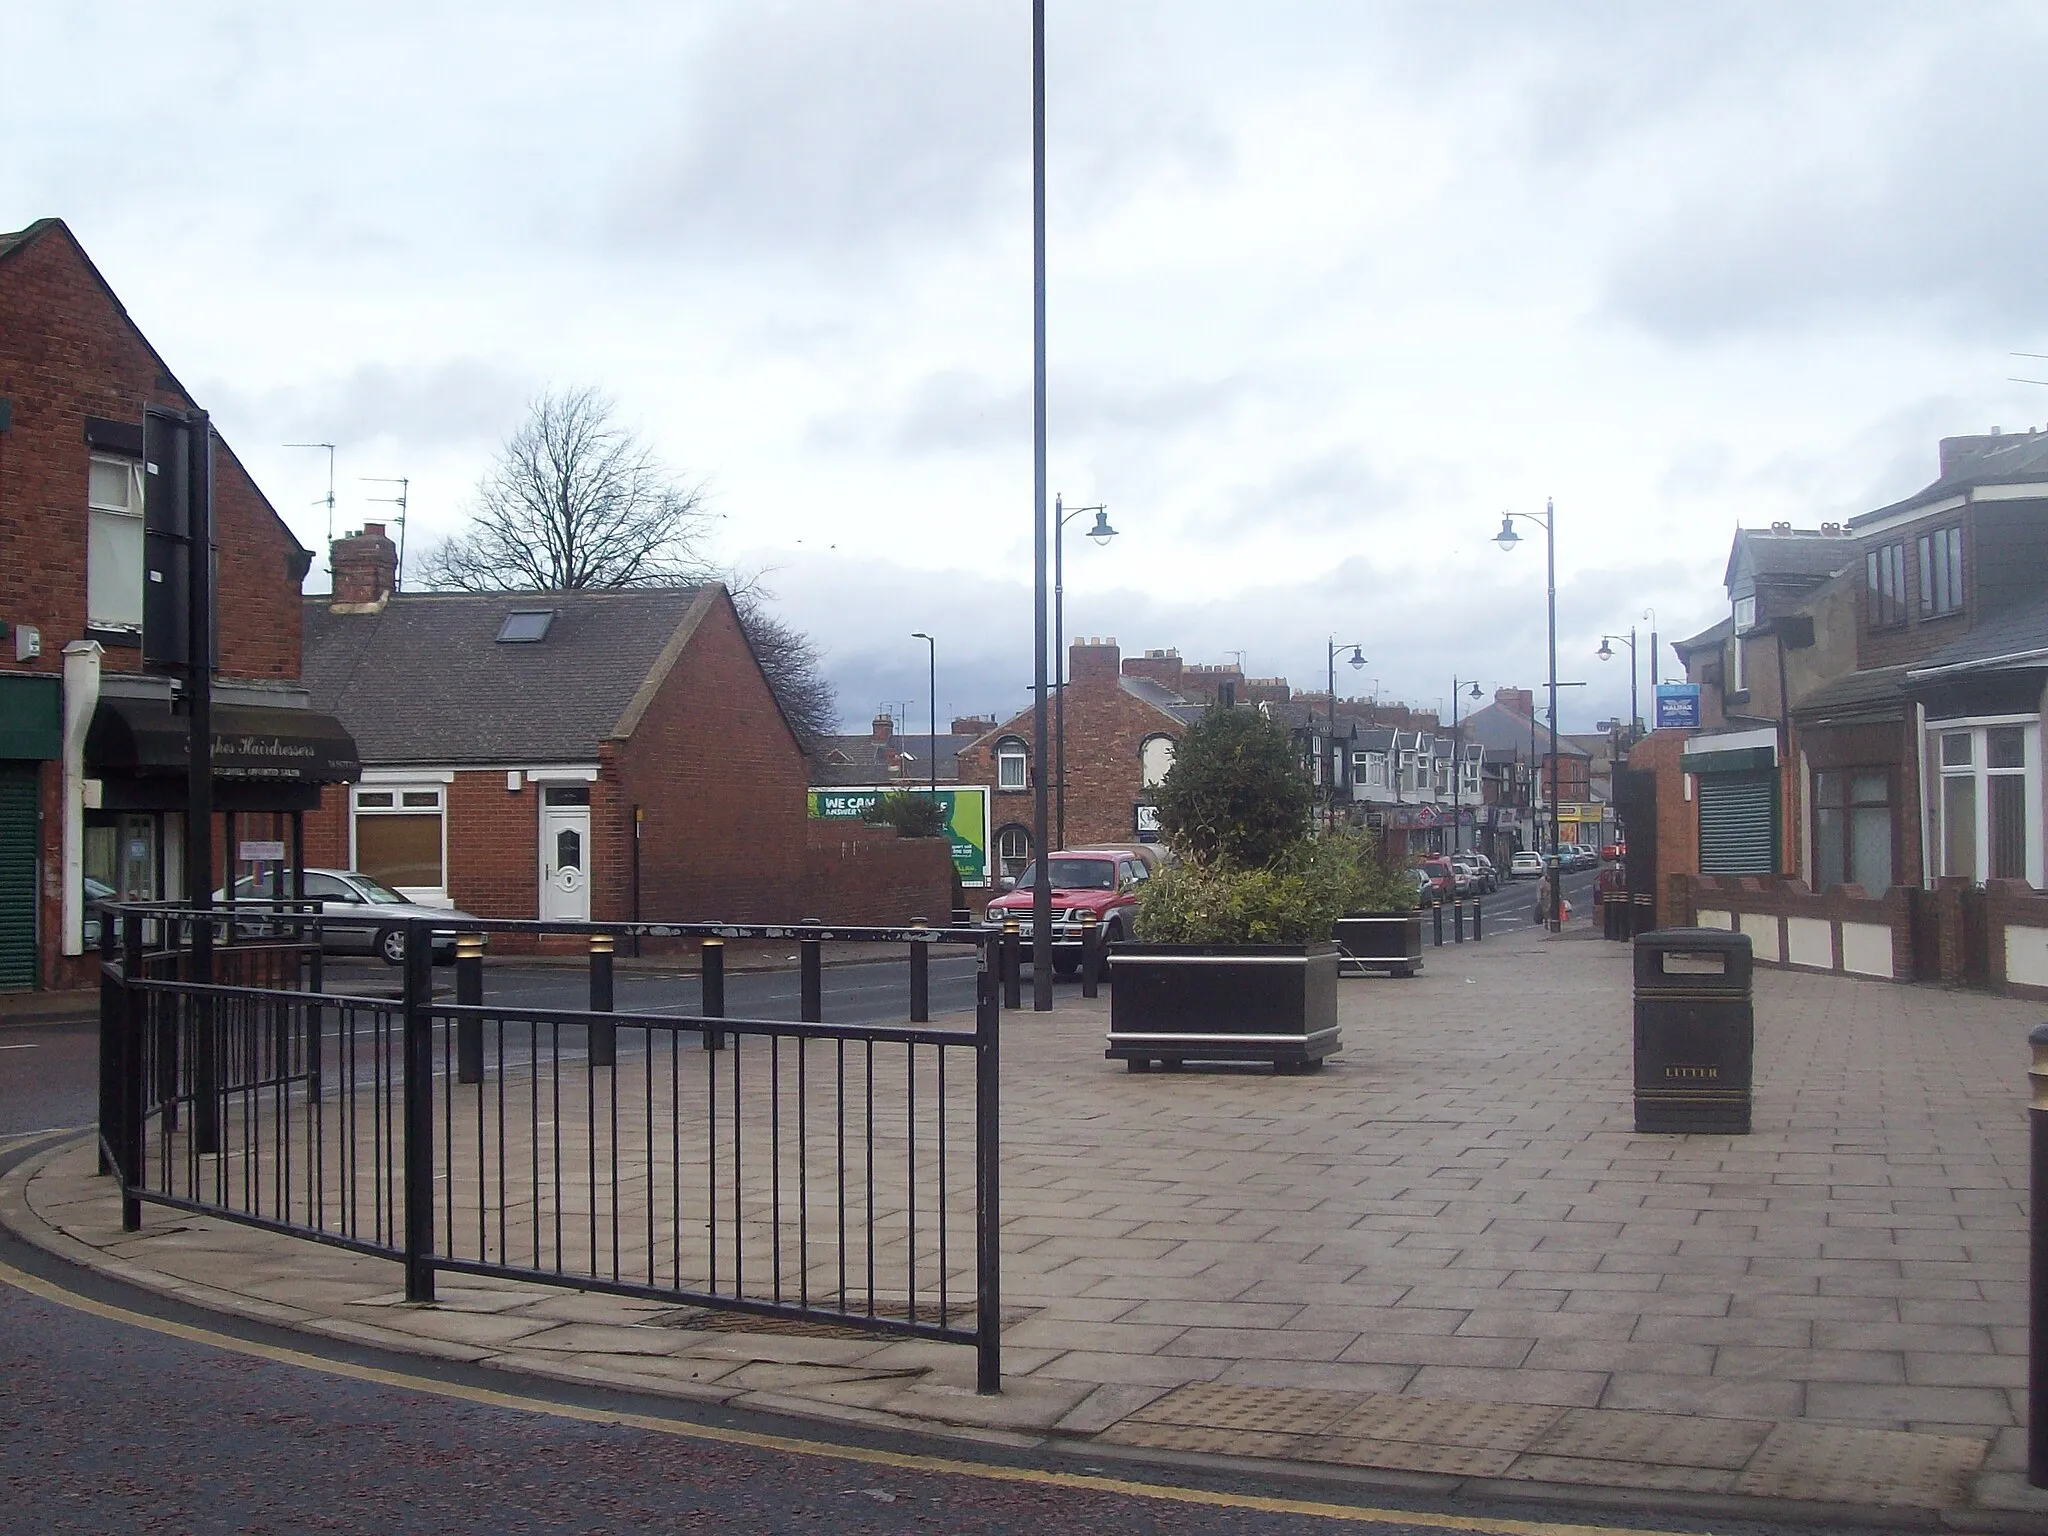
(600, 755)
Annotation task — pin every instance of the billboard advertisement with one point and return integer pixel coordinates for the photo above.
(965, 805)
(1678, 706)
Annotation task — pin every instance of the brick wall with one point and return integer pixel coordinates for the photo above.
(1678, 821)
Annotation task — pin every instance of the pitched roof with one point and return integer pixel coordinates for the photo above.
(12, 240)
(2018, 636)
(861, 766)
(1794, 553)
(427, 680)
(1873, 693)
(1498, 727)
(1706, 639)
(1969, 461)
(1163, 698)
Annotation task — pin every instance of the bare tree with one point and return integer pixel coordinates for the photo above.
(574, 500)
(577, 501)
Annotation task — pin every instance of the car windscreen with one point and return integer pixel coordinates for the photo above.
(1074, 875)
(383, 895)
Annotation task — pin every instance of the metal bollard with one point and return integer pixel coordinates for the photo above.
(1013, 966)
(2037, 1264)
(711, 991)
(1458, 920)
(1478, 912)
(1091, 954)
(920, 976)
(1436, 918)
(604, 1038)
(811, 977)
(469, 993)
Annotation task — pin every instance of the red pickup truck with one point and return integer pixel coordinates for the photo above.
(1105, 881)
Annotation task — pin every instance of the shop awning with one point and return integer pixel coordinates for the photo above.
(143, 738)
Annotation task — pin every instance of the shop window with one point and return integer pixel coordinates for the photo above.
(113, 553)
(1852, 828)
(1012, 767)
(1885, 586)
(1989, 827)
(400, 837)
(1941, 572)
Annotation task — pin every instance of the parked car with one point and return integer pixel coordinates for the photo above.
(1105, 881)
(360, 915)
(1526, 865)
(1464, 878)
(1489, 877)
(1425, 888)
(1443, 880)
(1615, 851)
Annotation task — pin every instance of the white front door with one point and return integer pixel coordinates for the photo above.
(565, 855)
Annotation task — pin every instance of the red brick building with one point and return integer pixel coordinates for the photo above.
(92, 751)
(593, 755)
(1122, 720)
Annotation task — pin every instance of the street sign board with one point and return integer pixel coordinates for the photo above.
(965, 805)
(1678, 706)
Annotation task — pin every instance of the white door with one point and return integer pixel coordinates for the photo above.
(565, 855)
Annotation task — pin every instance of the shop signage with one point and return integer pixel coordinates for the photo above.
(965, 805)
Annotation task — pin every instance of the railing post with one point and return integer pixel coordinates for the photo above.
(1091, 952)
(604, 1038)
(1478, 913)
(811, 978)
(988, 1166)
(1012, 965)
(920, 976)
(1436, 915)
(711, 989)
(469, 992)
(113, 1033)
(205, 1042)
(1458, 920)
(419, 1112)
(2037, 1266)
(134, 1090)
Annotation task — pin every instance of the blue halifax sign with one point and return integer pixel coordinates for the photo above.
(1678, 706)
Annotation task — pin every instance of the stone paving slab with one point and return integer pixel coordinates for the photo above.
(1453, 1223)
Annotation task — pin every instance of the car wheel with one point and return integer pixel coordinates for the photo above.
(391, 945)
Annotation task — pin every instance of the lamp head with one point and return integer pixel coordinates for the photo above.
(1475, 691)
(1606, 651)
(1357, 657)
(1507, 538)
(1101, 533)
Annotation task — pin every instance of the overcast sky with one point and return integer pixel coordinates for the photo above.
(1332, 286)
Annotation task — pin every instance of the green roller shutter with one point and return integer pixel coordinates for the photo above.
(17, 875)
(1738, 823)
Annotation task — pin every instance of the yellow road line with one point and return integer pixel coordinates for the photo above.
(903, 1461)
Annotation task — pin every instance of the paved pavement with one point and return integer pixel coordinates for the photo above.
(1447, 1258)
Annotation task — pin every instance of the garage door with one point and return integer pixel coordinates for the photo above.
(1739, 823)
(17, 875)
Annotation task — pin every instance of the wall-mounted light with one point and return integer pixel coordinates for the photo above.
(514, 780)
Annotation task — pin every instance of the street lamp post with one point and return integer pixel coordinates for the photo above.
(1356, 660)
(1507, 539)
(1101, 533)
(932, 648)
(1458, 763)
(1041, 887)
(1656, 677)
(1606, 653)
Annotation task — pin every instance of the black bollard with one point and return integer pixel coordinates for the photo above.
(604, 1038)
(711, 991)
(811, 978)
(2037, 1265)
(920, 977)
(1436, 919)
(469, 993)
(1091, 955)
(1458, 920)
(1478, 912)
(1013, 966)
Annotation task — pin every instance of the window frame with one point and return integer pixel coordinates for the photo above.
(1885, 599)
(1011, 749)
(129, 521)
(1942, 574)
(1978, 772)
(398, 798)
(1004, 860)
(1847, 806)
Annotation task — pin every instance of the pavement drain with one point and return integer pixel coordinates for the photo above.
(1863, 1466)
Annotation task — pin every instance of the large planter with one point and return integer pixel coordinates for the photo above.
(1174, 1003)
(1389, 943)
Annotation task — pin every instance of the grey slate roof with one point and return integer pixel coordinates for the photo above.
(2008, 457)
(1800, 554)
(1163, 698)
(861, 766)
(1707, 638)
(1500, 729)
(1869, 694)
(426, 681)
(2013, 633)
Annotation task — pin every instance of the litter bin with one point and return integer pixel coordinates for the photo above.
(1695, 1031)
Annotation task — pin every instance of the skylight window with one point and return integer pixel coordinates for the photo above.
(525, 626)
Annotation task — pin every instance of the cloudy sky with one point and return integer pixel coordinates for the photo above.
(1332, 286)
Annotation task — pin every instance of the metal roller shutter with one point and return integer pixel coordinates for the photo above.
(1738, 823)
(17, 875)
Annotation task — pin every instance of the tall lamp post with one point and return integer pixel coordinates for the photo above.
(1101, 533)
(932, 650)
(1507, 539)
(1458, 762)
(1606, 653)
(1356, 660)
(1656, 677)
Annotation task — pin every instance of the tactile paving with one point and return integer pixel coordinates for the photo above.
(1863, 1466)
(1207, 1439)
(1401, 1455)
(1667, 1439)
(1622, 1474)
(1278, 1410)
(1446, 1422)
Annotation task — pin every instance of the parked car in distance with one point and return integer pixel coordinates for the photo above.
(1526, 865)
(1614, 851)
(1489, 877)
(360, 915)
(1105, 881)
(1443, 880)
(1425, 888)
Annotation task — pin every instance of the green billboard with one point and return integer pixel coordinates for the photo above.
(965, 805)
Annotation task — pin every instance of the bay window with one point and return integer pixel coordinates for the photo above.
(1988, 811)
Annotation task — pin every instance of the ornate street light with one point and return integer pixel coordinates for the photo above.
(1355, 661)
(1101, 533)
(932, 647)
(1606, 653)
(1507, 539)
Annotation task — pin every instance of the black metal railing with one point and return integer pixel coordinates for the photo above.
(831, 1172)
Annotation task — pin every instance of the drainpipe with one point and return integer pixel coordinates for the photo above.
(81, 697)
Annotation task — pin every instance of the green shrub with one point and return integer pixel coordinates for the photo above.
(912, 812)
(1236, 792)
(1311, 883)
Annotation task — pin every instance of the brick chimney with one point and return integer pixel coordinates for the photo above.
(1518, 701)
(884, 726)
(1163, 667)
(365, 569)
(973, 725)
(1093, 662)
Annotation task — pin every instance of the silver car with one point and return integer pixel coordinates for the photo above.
(360, 915)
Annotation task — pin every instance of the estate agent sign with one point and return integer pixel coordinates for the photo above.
(1678, 706)
(965, 805)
